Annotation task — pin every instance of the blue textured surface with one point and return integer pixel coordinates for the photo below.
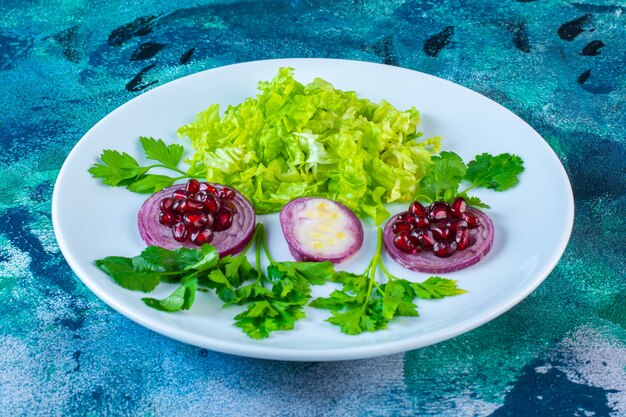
(559, 65)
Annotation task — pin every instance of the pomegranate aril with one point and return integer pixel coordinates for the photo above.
(458, 206)
(168, 218)
(229, 205)
(462, 238)
(420, 222)
(179, 232)
(196, 221)
(472, 221)
(211, 203)
(426, 239)
(417, 208)
(440, 231)
(222, 220)
(438, 211)
(166, 204)
(191, 206)
(400, 226)
(227, 193)
(404, 242)
(208, 188)
(444, 249)
(201, 196)
(193, 185)
(180, 194)
(406, 216)
(455, 224)
(202, 236)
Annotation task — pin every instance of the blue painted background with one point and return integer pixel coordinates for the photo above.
(558, 64)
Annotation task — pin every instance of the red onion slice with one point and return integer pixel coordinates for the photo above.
(318, 229)
(227, 242)
(427, 261)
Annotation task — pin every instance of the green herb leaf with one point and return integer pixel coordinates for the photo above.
(150, 184)
(130, 273)
(169, 155)
(266, 316)
(445, 175)
(181, 299)
(117, 169)
(498, 172)
(437, 287)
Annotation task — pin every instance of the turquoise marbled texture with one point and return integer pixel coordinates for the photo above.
(558, 64)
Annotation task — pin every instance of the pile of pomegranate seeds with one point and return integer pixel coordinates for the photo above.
(441, 228)
(198, 211)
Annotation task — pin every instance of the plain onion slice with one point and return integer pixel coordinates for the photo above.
(427, 261)
(227, 242)
(318, 229)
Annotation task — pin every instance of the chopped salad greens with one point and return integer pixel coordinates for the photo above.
(296, 140)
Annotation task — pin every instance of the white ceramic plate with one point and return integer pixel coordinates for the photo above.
(533, 221)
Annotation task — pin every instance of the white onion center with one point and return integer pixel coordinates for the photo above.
(323, 228)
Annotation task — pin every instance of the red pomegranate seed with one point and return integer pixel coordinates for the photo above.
(444, 249)
(168, 218)
(400, 226)
(438, 211)
(417, 208)
(197, 220)
(166, 204)
(211, 203)
(406, 216)
(472, 221)
(462, 238)
(193, 185)
(426, 239)
(457, 208)
(223, 220)
(440, 231)
(229, 205)
(420, 222)
(190, 206)
(227, 193)
(202, 236)
(180, 194)
(208, 188)
(456, 224)
(179, 232)
(201, 196)
(404, 242)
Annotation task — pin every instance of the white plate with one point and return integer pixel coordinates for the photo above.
(533, 221)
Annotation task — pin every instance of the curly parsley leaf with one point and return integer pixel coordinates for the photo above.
(497, 173)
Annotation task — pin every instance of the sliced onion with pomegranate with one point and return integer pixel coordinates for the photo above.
(318, 229)
(439, 238)
(195, 213)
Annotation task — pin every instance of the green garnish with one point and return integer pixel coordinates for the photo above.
(122, 170)
(365, 305)
(274, 300)
(291, 141)
(499, 173)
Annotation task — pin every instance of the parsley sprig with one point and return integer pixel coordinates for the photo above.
(275, 299)
(365, 305)
(448, 171)
(118, 169)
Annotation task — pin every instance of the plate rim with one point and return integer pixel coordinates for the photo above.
(261, 351)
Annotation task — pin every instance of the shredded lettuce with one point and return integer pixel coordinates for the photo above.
(296, 140)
